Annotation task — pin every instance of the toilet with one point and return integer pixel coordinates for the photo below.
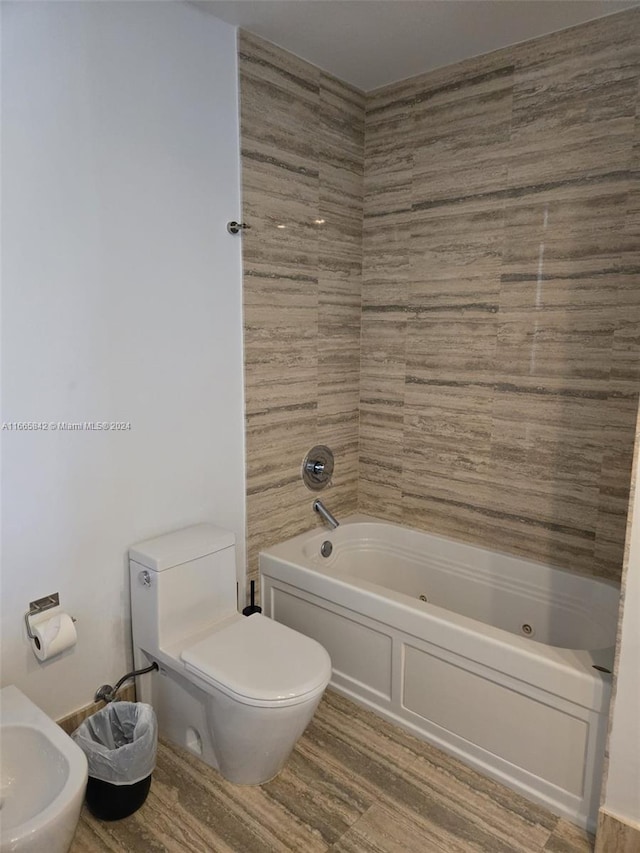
(237, 691)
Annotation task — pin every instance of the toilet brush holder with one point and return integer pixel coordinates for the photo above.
(252, 607)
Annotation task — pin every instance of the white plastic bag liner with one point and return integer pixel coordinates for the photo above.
(120, 742)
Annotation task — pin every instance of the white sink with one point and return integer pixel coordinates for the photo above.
(43, 776)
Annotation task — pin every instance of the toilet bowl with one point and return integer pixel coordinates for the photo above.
(236, 691)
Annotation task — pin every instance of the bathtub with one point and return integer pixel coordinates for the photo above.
(501, 662)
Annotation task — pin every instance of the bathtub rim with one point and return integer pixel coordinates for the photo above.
(362, 518)
(576, 664)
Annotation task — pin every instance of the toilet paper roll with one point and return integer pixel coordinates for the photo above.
(53, 635)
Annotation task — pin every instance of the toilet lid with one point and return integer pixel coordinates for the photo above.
(259, 659)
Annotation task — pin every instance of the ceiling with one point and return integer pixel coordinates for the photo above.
(370, 43)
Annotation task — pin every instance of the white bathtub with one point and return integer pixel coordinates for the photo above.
(496, 667)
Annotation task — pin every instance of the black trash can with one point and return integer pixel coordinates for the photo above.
(120, 743)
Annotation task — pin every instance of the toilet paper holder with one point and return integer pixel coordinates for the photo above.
(38, 606)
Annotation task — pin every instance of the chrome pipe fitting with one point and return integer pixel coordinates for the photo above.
(107, 693)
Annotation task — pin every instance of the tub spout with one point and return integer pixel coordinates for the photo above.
(321, 509)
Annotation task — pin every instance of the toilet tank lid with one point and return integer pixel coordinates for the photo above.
(181, 546)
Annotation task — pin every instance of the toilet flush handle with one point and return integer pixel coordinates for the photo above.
(144, 578)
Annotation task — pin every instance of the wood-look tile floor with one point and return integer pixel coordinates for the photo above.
(354, 784)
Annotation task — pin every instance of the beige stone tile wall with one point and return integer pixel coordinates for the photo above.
(615, 835)
(453, 303)
(302, 169)
(501, 297)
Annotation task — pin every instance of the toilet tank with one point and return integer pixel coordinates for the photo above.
(181, 584)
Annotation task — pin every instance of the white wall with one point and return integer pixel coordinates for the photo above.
(622, 795)
(121, 302)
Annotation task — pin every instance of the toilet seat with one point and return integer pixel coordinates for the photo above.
(258, 661)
